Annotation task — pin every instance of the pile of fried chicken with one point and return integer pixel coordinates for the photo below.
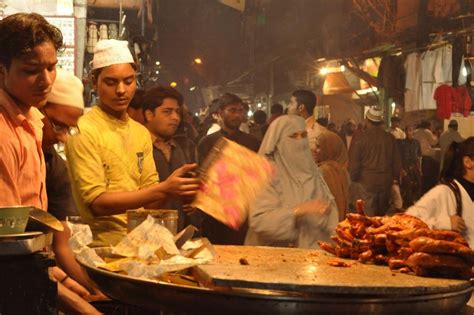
(404, 243)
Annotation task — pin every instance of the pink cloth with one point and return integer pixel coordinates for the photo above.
(22, 166)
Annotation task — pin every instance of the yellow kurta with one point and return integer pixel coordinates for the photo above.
(108, 155)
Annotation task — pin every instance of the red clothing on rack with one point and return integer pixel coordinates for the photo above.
(452, 100)
(462, 101)
(444, 101)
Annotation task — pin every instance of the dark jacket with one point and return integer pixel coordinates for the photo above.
(374, 159)
(58, 186)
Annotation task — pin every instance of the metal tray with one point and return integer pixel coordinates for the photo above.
(156, 295)
(25, 246)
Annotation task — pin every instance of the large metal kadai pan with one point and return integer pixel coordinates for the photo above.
(155, 295)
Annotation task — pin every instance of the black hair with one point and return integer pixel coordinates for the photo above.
(21, 32)
(375, 123)
(155, 96)
(276, 109)
(137, 99)
(425, 124)
(228, 99)
(214, 106)
(323, 121)
(395, 119)
(307, 98)
(453, 165)
(260, 117)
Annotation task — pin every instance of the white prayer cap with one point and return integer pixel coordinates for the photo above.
(375, 114)
(67, 90)
(111, 52)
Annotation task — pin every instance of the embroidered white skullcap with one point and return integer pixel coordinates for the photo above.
(111, 52)
(375, 114)
(67, 90)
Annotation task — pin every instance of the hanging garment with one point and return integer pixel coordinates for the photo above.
(428, 59)
(113, 31)
(91, 37)
(442, 72)
(412, 82)
(458, 51)
(461, 101)
(452, 100)
(103, 32)
(444, 101)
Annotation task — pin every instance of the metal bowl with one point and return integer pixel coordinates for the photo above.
(13, 219)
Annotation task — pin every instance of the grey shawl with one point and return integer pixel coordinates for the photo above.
(297, 180)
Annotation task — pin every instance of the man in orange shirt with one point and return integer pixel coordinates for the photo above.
(28, 47)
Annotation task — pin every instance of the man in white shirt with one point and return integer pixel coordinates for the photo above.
(302, 103)
(429, 164)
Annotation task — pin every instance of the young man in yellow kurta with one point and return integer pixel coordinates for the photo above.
(110, 161)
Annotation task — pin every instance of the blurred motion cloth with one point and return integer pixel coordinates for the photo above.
(232, 177)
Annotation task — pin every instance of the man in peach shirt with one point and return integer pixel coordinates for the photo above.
(28, 46)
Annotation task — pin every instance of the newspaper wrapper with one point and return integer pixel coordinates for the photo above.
(147, 252)
(80, 238)
(232, 176)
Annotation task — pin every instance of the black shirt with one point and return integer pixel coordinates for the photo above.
(58, 186)
(242, 138)
(469, 186)
(164, 169)
(214, 230)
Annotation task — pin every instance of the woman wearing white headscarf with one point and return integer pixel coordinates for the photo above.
(297, 208)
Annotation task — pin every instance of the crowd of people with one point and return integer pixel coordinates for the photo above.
(141, 149)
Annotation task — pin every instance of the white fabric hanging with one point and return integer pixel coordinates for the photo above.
(412, 82)
(428, 59)
(103, 32)
(91, 38)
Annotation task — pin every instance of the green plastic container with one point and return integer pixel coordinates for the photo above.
(13, 219)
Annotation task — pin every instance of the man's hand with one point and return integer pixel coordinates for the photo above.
(179, 183)
(315, 206)
(457, 223)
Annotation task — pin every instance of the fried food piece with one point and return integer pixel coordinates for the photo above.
(366, 256)
(327, 247)
(431, 246)
(338, 263)
(439, 265)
